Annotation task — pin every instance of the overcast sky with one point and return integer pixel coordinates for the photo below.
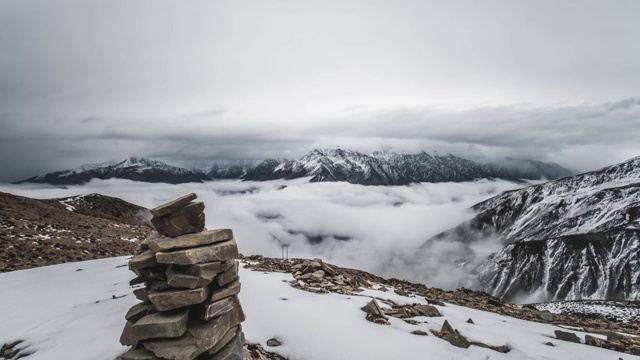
(89, 81)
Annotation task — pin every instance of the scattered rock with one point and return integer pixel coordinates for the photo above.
(419, 332)
(567, 336)
(373, 308)
(470, 321)
(274, 342)
(427, 310)
(546, 316)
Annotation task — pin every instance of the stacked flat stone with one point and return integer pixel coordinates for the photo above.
(190, 308)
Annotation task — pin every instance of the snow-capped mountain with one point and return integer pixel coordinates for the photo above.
(331, 165)
(438, 168)
(133, 168)
(388, 168)
(234, 170)
(530, 169)
(573, 238)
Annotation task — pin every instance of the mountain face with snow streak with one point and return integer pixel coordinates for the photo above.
(331, 165)
(388, 168)
(573, 238)
(133, 168)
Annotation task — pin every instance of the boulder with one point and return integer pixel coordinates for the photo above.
(169, 300)
(419, 332)
(229, 290)
(189, 240)
(186, 220)
(170, 324)
(222, 251)
(567, 336)
(427, 310)
(174, 205)
(546, 316)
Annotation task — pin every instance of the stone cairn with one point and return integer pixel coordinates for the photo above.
(190, 308)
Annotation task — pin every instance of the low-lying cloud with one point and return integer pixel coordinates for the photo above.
(378, 229)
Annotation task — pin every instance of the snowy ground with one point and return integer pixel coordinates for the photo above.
(66, 314)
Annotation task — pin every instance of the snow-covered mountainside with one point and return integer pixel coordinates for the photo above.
(86, 303)
(228, 170)
(388, 168)
(573, 238)
(133, 168)
(530, 169)
(331, 165)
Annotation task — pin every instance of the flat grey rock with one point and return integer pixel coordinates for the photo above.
(179, 279)
(210, 310)
(139, 354)
(222, 251)
(232, 350)
(229, 290)
(127, 335)
(189, 240)
(174, 205)
(138, 311)
(228, 276)
(170, 324)
(186, 220)
(169, 300)
(231, 333)
(142, 260)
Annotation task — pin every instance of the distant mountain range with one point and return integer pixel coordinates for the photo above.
(378, 168)
(136, 169)
(568, 239)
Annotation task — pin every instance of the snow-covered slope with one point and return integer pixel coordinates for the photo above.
(389, 168)
(76, 311)
(572, 238)
(133, 168)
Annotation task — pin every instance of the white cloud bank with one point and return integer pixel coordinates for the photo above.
(376, 229)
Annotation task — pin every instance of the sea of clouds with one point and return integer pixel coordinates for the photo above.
(378, 229)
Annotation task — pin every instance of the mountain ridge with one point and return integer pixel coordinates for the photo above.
(567, 239)
(378, 168)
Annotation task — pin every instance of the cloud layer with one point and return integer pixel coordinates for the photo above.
(385, 226)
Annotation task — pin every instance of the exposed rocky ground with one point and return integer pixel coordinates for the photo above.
(318, 277)
(44, 232)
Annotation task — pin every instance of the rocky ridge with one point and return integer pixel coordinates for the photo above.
(312, 276)
(568, 239)
(44, 232)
